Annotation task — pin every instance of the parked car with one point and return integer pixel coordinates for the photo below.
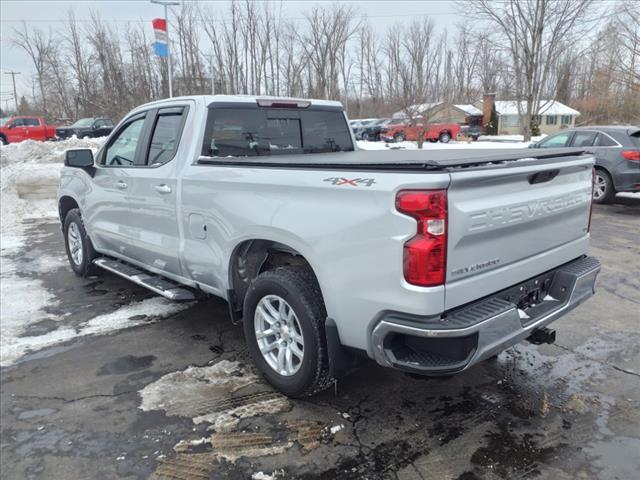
(473, 131)
(442, 132)
(325, 252)
(87, 128)
(617, 153)
(372, 132)
(360, 128)
(17, 129)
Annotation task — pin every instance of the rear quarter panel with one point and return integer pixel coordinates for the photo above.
(351, 235)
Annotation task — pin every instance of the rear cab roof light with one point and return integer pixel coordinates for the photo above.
(280, 103)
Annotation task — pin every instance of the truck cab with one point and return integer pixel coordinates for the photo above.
(20, 128)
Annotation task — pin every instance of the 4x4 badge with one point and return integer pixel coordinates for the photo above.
(350, 181)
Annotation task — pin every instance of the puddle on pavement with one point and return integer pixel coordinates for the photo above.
(126, 364)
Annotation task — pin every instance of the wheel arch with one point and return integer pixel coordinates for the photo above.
(250, 258)
(65, 204)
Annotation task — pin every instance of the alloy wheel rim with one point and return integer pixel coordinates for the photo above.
(75, 243)
(279, 335)
(599, 187)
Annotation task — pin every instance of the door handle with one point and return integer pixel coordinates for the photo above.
(163, 188)
(121, 185)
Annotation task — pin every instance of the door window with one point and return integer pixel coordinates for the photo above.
(556, 141)
(122, 150)
(30, 122)
(165, 137)
(583, 139)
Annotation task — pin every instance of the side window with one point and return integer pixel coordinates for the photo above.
(233, 132)
(121, 152)
(30, 122)
(556, 141)
(325, 132)
(98, 124)
(18, 122)
(165, 137)
(605, 141)
(583, 139)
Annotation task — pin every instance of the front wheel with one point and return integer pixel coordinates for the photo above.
(398, 137)
(284, 329)
(3, 141)
(603, 189)
(78, 245)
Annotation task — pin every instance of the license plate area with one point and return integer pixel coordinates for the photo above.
(531, 293)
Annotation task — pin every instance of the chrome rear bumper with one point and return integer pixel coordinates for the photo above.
(468, 335)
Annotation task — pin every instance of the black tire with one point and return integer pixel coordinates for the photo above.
(604, 191)
(85, 266)
(3, 141)
(365, 136)
(444, 137)
(398, 137)
(299, 288)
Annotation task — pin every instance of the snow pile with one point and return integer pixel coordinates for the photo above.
(29, 177)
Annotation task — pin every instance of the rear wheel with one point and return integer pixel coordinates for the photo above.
(284, 329)
(444, 137)
(603, 189)
(3, 141)
(78, 245)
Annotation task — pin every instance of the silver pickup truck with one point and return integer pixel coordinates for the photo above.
(426, 261)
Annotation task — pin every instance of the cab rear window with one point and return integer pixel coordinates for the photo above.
(250, 132)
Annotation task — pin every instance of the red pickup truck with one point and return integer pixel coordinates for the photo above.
(17, 129)
(434, 132)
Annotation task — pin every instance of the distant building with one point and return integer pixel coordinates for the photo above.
(552, 116)
(442, 112)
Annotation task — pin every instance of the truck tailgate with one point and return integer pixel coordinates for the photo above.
(511, 223)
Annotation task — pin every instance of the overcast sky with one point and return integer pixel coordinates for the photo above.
(52, 14)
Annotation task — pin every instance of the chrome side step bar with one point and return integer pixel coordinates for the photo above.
(155, 283)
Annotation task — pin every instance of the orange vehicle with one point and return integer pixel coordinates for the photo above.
(434, 132)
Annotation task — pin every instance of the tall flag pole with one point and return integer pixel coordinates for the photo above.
(161, 45)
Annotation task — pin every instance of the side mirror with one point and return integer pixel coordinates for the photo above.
(80, 158)
(533, 145)
(10, 126)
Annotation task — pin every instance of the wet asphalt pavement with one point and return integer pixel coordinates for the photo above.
(563, 411)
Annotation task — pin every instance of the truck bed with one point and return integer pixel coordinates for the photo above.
(406, 160)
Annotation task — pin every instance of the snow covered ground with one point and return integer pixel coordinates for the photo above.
(29, 177)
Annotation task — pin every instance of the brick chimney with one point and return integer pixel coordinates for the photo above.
(488, 100)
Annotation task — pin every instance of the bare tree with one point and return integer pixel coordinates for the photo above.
(39, 46)
(535, 32)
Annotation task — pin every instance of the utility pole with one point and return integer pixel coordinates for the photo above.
(13, 79)
(165, 4)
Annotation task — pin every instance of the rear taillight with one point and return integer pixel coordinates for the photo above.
(593, 186)
(425, 254)
(631, 155)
